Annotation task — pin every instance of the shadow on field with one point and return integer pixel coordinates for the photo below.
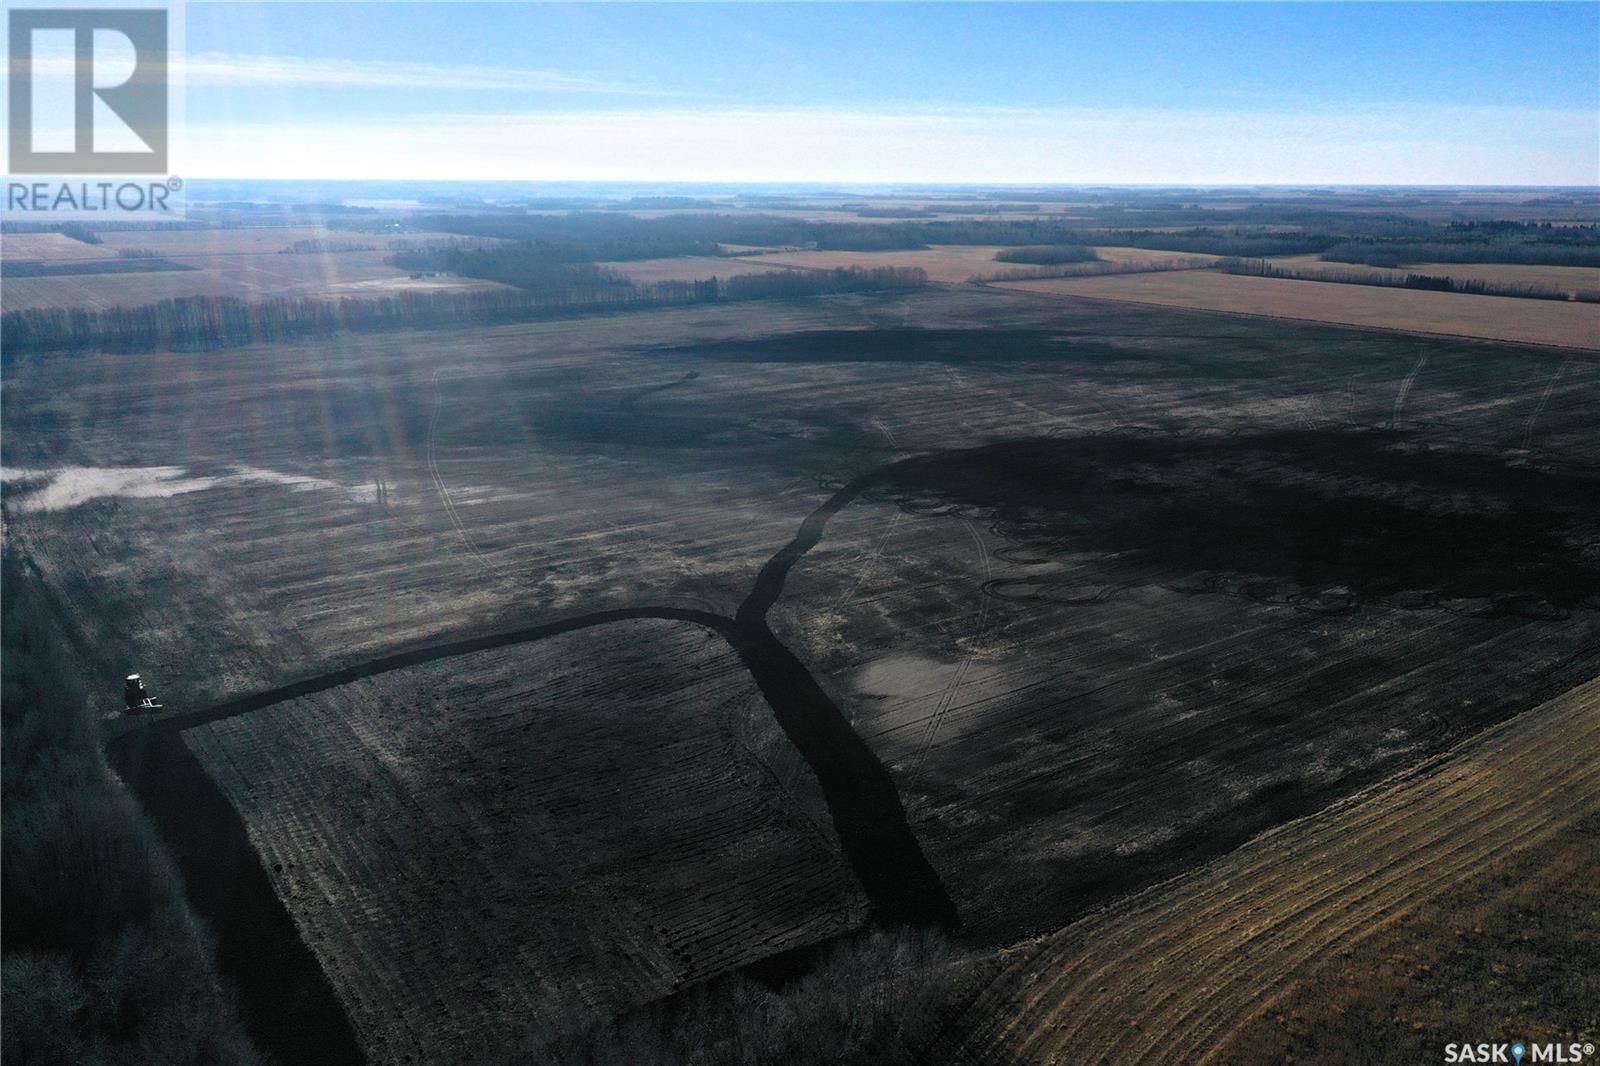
(1329, 520)
(911, 345)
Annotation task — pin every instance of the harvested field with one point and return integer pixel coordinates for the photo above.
(1513, 945)
(1502, 318)
(246, 276)
(1167, 975)
(912, 527)
(1562, 279)
(51, 247)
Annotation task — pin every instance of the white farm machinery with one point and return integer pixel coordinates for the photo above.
(138, 697)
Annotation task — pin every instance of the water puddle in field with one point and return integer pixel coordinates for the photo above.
(71, 486)
(903, 678)
(907, 700)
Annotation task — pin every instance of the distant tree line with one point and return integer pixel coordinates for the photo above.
(324, 245)
(198, 322)
(536, 265)
(595, 236)
(784, 284)
(1094, 269)
(1428, 282)
(79, 233)
(102, 959)
(1048, 254)
(1567, 252)
(581, 236)
(1541, 231)
(1208, 241)
(664, 203)
(191, 322)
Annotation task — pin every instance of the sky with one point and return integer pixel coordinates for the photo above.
(1151, 93)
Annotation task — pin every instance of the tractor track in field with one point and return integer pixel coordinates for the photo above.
(1169, 974)
(288, 1003)
(861, 795)
(979, 630)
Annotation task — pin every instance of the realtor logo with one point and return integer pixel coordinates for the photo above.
(89, 90)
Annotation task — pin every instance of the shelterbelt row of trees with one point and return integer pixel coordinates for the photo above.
(103, 960)
(1094, 268)
(225, 321)
(540, 265)
(1048, 254)
(1395, 280)
(1572, 251)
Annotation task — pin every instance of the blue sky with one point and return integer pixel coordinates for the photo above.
(1077, 92)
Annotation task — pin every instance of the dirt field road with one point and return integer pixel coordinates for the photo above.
(1168, 975)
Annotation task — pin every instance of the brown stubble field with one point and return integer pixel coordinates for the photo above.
(1504, 318)
(1069, 708)
(1197, 969)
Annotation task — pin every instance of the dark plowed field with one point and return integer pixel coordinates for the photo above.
(623, 652)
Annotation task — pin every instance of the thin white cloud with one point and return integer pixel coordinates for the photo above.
(1398, 145)
(260, 71)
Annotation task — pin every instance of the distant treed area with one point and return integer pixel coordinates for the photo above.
(223, 321)
(453, 258)
(1049, 254)
(1579, 246)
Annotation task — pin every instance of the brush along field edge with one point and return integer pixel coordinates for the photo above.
(1168, 975)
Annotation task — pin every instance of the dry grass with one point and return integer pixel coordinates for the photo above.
(1168, 975)
(1455, 314)
(1508, 954)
